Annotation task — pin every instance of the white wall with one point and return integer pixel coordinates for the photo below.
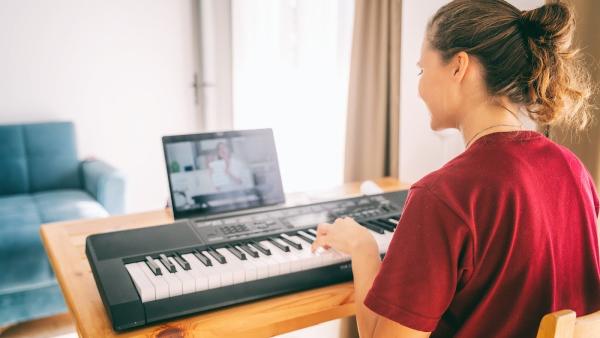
(120, 70)
(422, 150)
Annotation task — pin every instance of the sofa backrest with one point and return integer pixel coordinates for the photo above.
(37, 157)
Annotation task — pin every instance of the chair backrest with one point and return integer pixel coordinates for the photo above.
(564, 324)
(37, 157)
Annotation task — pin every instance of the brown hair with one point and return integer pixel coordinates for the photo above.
(527, 55)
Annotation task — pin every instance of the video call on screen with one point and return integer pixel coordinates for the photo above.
(224, 174)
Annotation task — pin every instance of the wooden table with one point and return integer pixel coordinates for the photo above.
(65, 245)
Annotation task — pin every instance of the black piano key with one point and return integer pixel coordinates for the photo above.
(304, 238)
(220, 258)
(395, 218)
(313, 232)
(153, 266)
(287, 239)
(372, 227)
(259, 247)
(205, 260)
(280, 245)
(167, 263)
(387, 226)
(240, 255)
(182, 262)
(248, 250)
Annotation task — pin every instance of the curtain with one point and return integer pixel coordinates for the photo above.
(587, 145)
(372, 125)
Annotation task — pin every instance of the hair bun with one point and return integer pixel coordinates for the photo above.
(550, 25)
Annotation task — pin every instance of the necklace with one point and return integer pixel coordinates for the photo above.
(497, 125)
(488, 128)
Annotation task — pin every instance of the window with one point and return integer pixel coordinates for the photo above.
(290, 69)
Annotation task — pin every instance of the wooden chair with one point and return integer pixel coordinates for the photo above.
(564, 324)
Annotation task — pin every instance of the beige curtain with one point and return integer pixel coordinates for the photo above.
(372, 129)
(587, 145)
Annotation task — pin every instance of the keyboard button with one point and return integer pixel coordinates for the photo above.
(197, 272)
(182, 262)
(175, 287)
(291, 241)
(279, 256)
(372, 227)
(166, 263)
(217, 256)
(261, 248)
(202, 258)
(384, 226)
(279, 245)
(188, 284)
(142, 284)
(248, 250)
(236, 252)
(153, 266)
(161, 288)
(225, 273)
(305, 237)
(235, 265)
(212, 274)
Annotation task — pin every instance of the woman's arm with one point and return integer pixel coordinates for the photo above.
(365, 265)
(347, 236)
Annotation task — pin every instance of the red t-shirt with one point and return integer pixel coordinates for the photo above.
(499, 236)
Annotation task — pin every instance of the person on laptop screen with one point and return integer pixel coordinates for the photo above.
(228, 172)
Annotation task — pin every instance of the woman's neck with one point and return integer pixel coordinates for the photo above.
(487, 118)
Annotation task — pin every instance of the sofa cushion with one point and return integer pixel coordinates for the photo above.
(13, 162)
(62, 205)
(16, 210)
(24, 262)
(37, 157)
(51, 156)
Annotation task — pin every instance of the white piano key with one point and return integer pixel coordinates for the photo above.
(236, 266)
(249, 267)
(200, 276)
(272, 264)
(175, 287)
(161, 287)
(294, 263)
(262, 267)
(143, 286)
(284, 263)
(212, 275)
(188, 285)
(307, 259)
(225, 272)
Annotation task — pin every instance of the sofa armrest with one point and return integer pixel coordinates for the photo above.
(106, 184)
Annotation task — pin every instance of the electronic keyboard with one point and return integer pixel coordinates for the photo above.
(157, 273)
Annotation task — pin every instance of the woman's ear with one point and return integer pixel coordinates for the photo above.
(460, 63)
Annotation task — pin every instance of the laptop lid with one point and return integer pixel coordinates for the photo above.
(218, 172)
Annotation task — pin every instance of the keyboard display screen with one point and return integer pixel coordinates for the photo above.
(219, 172)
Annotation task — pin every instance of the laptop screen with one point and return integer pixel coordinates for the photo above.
(218, 172)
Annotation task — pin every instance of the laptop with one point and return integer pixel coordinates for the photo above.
(222, 172)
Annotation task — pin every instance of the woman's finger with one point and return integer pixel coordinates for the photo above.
(323, 228)
(322, 238)
(320, 241)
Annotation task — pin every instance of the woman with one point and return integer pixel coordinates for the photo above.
(506, 231)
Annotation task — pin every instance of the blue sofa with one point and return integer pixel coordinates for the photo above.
(42, 181)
